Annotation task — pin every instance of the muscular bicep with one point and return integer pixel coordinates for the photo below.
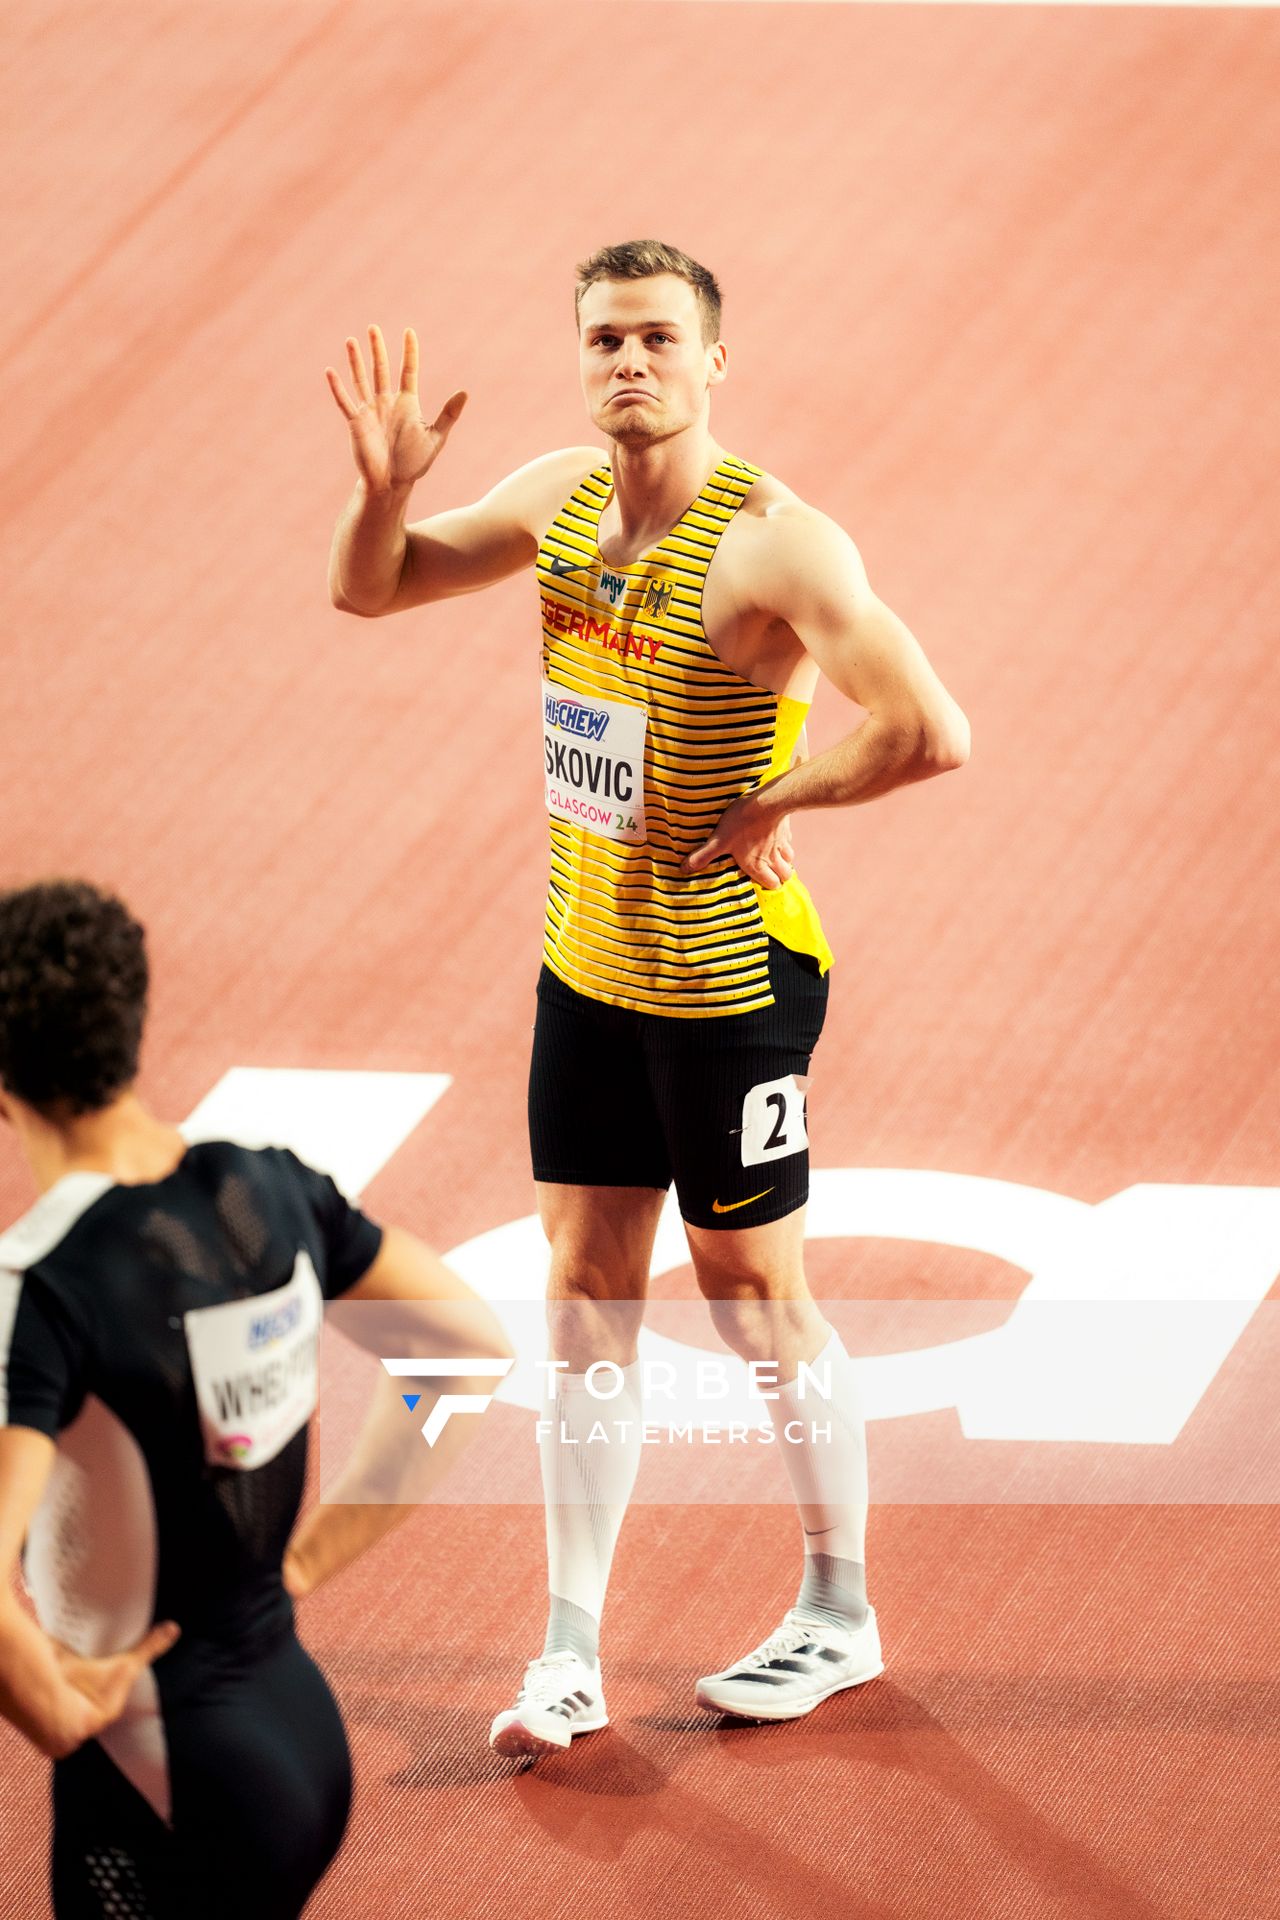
(820, 587)
(466, 548)
(872, 656)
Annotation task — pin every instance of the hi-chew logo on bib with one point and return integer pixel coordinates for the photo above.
(575, 716)
(256, 1367)
(593, 756)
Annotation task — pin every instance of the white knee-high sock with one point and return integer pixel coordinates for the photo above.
(829, 1479)
(586, 1484)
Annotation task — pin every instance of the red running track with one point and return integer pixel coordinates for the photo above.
(1001, 285)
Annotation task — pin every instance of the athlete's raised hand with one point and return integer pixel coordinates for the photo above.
(757, 839)
(391, 442)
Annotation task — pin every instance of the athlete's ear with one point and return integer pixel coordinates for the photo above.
(5, 1112)
(717, 364)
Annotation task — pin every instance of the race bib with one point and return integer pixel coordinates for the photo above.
(256, 1368)
(593, 752)
(774, 1120)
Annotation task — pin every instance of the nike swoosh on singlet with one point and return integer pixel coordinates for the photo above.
(717, 1207)
(567, 566)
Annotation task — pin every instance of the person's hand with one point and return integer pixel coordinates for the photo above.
(390, 441)
(103, 1684)
(749, 833)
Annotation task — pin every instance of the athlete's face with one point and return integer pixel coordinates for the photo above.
(646, 372)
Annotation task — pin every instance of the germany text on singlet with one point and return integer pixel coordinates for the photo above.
(647, 737)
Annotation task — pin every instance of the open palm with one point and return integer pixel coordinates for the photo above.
(390, 441)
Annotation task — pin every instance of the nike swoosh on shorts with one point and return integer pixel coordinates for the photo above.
(732, 1207)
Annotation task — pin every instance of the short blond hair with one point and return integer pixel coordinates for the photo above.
(644, 260)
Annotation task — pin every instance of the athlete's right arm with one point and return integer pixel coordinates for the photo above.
(59, 1699)
(379, 563)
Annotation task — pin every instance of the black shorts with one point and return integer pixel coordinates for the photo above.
(261, 1786)
(622, 1099)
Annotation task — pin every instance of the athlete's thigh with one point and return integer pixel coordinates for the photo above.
(601, 1237)
(112, 1853)
(731, 1094)
(592, 1121)
(262, 1784)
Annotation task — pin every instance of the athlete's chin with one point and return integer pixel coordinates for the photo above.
(638, 427)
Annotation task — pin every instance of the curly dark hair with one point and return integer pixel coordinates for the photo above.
(73, 996)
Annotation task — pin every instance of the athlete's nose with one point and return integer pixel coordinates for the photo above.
(631, 359)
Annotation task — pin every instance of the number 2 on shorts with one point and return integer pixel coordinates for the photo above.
(773, 1121)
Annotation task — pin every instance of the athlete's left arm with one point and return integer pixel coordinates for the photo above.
(390, 1472)
(57, 1698)
(808, 572)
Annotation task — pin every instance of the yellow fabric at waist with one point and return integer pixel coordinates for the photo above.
(788, 913)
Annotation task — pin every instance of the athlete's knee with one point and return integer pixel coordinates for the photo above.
(759, 1314)
(729, 1272)
(597, 1254)
(746, 1322)
(577, 1279)
(599, 1276)
(586, 1321)
(595, 1306)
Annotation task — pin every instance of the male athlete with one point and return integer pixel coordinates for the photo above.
(160, 1314)
(688, 603)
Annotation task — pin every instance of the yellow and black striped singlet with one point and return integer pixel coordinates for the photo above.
(647, 737)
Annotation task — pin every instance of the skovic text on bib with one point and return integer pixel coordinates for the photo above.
(593, 753)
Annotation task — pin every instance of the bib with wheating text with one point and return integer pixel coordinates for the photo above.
(256, 1368)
